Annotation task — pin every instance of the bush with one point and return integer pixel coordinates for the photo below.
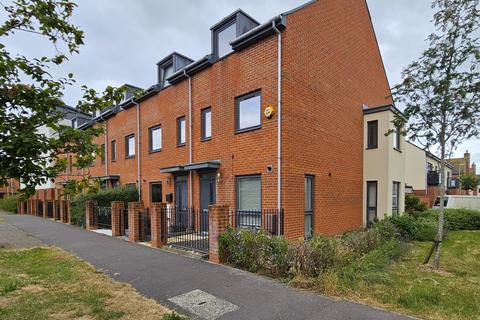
(104, 199)
(426, 229)
(405, 225)
(457, 219)
(413, 205)
(9, 203)
(312, 257)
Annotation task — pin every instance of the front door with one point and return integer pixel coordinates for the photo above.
(371, 202)
(181, 202)
(207, 197)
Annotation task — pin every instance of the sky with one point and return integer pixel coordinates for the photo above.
(124, 39)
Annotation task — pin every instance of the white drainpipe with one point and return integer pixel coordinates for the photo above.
(106, 149)
(190, 196)
(279, 123)
(139, 175)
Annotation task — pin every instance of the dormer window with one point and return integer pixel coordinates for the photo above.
(229, 29)
(166, 70)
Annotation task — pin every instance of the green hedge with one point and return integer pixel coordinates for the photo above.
(104, 199)
(9, 203)
(456, 219)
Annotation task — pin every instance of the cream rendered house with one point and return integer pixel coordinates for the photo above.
(383, 164)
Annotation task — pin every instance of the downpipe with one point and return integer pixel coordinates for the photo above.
(139, 175)
(190, 178)
(279, 124)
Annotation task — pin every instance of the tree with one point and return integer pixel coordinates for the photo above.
(469, 181)
(440, 90)
(30, 95)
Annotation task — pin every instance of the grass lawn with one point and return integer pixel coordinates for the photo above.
(409, 287)
(48, 283)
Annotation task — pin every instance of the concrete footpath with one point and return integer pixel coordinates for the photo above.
(195, 287)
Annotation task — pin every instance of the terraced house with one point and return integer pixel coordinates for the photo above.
(274, 117)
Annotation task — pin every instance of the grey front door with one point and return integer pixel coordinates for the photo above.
(207, 197)
(181, 202)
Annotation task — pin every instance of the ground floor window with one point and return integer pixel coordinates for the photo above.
(308, 206)
(249, 201)
(156, 191)
(395, 196)
(371, 202)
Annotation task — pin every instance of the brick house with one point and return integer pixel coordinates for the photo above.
(272, 117)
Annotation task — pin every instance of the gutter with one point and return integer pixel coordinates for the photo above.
(279, 121)
(139, 175)
(190, 196)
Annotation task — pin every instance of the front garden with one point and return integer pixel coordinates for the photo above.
(380, 266)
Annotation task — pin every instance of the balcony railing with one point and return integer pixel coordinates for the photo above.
(433, 178)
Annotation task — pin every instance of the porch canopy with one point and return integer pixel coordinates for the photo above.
(204, 165)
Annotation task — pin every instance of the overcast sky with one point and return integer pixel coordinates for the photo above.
(124, 39)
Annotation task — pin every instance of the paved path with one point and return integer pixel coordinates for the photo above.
(162, 275)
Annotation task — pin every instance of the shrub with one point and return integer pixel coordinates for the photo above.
(457, 219)
(405, 224)
(9, 203)
(426, 229)
(312, 257)
(104, 199)
(413, 205)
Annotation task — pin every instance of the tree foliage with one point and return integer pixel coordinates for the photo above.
(441, 89)
(469, 181)
(30, 95)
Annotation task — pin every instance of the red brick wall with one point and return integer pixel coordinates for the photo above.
(331, 66)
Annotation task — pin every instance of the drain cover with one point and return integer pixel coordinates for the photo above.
(203, 304)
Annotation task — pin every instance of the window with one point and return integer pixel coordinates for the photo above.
(206, 123)
(372, 134)
(371, 202)
(395, 196)
(396, 138)
(166, 71)
(181, 132)
(103, 152)
(130, 146)
(156, 192)
(224, 36)
(114, 150)
(249, 201)
(155, 138)
(248, 111)
(308, 206)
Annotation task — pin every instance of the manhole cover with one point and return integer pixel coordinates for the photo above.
(203, 304)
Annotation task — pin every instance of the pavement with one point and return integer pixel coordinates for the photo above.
(194, 287)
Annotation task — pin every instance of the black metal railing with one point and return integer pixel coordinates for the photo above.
(187, 228)
(144, 227)
(39, 208)
(124, 221)
(57, 210)
(269, 220)
(104, 217)
(50, 210)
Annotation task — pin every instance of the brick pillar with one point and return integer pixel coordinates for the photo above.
(217, 224)
(134, 208)
(89, 215)
(158, 222)
(69, 211)
(118, 229)
(44, 205)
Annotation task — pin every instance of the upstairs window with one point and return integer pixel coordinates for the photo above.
(206, 123)
(181, 131)
(224, 36)
(103, 151)
(114, 150)
(396, 138)
(130, 146)
(372, 134)
(248, 111)
(155, 137)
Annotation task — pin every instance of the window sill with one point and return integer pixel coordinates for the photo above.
(115, 160)
(396, 149)
(206, 139)
(248, 129)
(181, 145)
(154, 151)
(371, 148)
(129, 157)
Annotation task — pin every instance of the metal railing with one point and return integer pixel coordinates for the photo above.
(187, 228)
(104, 217)
(144, 227)
(265, 219)
(50, 210)
(39, 209)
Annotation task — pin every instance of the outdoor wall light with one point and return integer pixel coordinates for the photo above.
(219, 177)
(169, 181)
